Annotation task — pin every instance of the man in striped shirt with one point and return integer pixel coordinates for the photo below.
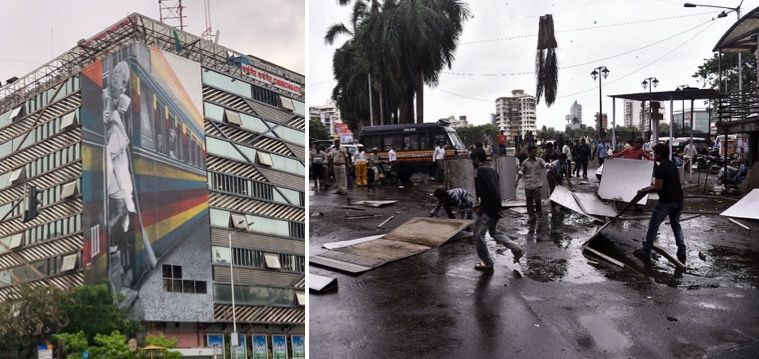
(454, 197)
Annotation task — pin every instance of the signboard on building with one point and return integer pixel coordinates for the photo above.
(273, 80)
(45, 351)
(279, 346)
(216, 342)
(241, 350)
(299, 346)
(260, 347)
(144, 181)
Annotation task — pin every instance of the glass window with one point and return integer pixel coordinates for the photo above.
(220, 218)
(268, 226)
(290, 135)
(299, 108)
(293, 196)
(254, 295)
(221, 254)
(223, 148)
(226, 83)
(213, 112)
(287, 164)
(252, 123)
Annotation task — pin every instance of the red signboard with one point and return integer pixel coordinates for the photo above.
(271, 79)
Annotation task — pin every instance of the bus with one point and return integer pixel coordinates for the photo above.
(413, 144)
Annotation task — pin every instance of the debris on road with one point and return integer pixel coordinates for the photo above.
(385, 221)
(350, 218)
(353, 208)
(671, 319)
(317, 214)
(321, 284)
(376, 204)
(739, 223)
(747, 207)
(701, 256)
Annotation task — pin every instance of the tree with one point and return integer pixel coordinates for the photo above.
(112, 345)
(468, 134)
(316, 130)
(163, 342)
(90, 299)
(30, 320)
(72, 345)
(708, 73)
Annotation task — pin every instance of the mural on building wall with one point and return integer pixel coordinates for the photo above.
(143, 158)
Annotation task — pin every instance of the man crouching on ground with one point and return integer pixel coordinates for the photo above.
(488, 197)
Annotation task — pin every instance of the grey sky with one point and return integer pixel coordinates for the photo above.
(499, 19)
(269, 29)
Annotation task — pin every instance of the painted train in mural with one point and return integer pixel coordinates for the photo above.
(144, 161)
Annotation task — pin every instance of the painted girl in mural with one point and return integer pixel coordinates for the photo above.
(119, 178)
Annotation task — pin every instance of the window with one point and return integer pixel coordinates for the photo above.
(69, 262)
(248, 258)
(290, 135)
(254, 295)
(223, 149)
(19, 174)
(173, 282)
(264, 159)
(213, 112)
(272, 261)
(226, 83)
(219, 218)
(221, 254)
(299, 108)
(300, 297)
(94, 240)
(69, 190)
(253, 123)
(238, 221)
(16, 114)
(287, 103)
(265, 225)
(293, 196)
(69, 120)
(5, 278)
(287, 164)
(232, 118)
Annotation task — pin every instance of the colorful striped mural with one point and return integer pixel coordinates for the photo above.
(143, 159)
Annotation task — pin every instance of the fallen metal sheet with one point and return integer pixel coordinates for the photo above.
(319, 283)
(375, 204)
(510, 203)
(507, 174)
(520, 210)
(340, 244)
(413, 237)
(337, 264)
(425, 231)
(593, 205)
(623, 178)
(747, 207)
(563, 197)
(739, 223)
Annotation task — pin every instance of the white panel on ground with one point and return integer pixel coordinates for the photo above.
(747, 207)
(340, 244)
(320, 283)
(592, 205)
(563, 197)
(507, 173)
(623, 178)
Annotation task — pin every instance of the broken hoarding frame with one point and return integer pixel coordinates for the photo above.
(747, 207)
(507, 175)
(622, 178)
(321, 284)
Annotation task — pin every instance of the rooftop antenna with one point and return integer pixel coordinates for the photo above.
(171, 11)
(208, 33)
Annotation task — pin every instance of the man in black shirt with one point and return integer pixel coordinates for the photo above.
(670, 204)
(580, 155)
(488, 197)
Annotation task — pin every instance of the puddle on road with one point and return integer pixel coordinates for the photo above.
(604, 334)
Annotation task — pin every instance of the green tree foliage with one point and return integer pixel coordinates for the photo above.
(317, 131)
(74, 344)
(469, 133)
(708, 73)
(112, 345)
(403, 45)
(31, 320)
(86, 300)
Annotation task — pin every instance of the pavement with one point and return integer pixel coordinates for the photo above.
(567, 304)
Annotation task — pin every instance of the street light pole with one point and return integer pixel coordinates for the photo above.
(234, 338)
(600, 72)
(737, 10)
(651, 82)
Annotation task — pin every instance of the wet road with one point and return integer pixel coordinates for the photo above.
(567, 304)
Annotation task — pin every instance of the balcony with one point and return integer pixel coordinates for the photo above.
(739, 111)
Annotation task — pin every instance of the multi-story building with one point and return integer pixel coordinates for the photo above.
(159, 160)
(328, 114)
(456, 122)
(701, 122)
(575, 111)
(645, 115)
(632, 113)
(515, 115)
(604, 121)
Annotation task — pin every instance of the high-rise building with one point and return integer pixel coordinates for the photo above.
(604, 122)
(575, 111)
(515, 115)
(328, 114)
(150, 160)
(645, 116)
(701, 122)
(632, 113)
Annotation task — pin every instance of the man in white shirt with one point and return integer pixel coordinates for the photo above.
(437, 161)
(690, 156)
(568, 151)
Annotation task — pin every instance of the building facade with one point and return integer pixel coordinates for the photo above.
(575, 111)
(150, 160)
(516, 115)
(701, 122)
(328, 114)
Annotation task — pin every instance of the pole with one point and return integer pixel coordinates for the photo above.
(371, 108)
(671, 124)
(600, 107)
(613, 123)
(740, 58)
(233, 337)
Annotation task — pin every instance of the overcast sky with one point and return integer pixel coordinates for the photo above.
(672, 61)
(270, 29)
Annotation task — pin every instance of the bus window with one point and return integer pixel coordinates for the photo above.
(372, 142)
(424, 141)
(410, 142)
(391, 140)
(454, 137)
(440, 137)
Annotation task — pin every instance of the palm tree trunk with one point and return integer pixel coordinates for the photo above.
(419, 99)
(381, 90)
